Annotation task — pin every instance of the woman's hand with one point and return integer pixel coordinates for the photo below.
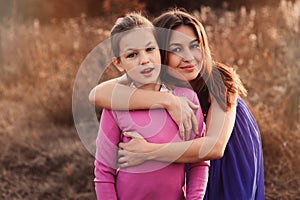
(182, 112)
(134, 152)
(129, 159)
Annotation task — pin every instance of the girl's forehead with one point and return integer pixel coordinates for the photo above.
(137, 39)
(140, 30)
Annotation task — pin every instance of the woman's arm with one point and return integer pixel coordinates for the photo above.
(116, 94)
(219, 128)
(210, 147)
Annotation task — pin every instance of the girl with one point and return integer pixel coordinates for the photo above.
(135, 51)
(232, 139)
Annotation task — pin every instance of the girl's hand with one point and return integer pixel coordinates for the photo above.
(182, 112)
(134, 152)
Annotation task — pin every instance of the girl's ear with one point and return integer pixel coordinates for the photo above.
(117, 62)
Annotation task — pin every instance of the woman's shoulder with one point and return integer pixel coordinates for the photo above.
(243, 107)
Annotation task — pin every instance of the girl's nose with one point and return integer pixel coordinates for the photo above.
(144, 58)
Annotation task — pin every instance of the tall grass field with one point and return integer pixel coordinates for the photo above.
(42, 156)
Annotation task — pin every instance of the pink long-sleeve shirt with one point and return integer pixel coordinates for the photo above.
(152, 179)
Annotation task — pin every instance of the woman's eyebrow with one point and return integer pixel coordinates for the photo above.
(178, 44)
(195, 40)
(175, 44)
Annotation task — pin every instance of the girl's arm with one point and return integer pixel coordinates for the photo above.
(116, 94)
(197, 172)
(197, 180)
(219, 127)
(106, 157)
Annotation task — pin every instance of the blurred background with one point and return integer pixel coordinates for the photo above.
(42, 46)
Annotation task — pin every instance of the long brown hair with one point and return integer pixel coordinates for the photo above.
(215, 78)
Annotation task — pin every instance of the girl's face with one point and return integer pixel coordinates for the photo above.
(140, 57)
(184, 54)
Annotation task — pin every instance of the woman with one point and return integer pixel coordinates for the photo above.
(232, 139)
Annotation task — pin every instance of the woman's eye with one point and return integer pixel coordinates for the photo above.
(175, 50)
(195, 46)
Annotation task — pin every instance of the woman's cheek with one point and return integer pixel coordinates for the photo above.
(173, 61)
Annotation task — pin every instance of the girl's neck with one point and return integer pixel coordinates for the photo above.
(151, 86)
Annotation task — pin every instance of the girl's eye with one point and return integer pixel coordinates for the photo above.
(131, 55)
(149, 49)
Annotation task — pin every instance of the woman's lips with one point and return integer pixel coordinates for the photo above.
(188, 68)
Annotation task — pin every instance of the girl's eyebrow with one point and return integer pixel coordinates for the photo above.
(133, 49)
(150, 43)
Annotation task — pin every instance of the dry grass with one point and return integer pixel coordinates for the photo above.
(41, 154)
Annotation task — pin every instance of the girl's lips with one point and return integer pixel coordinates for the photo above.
(147, 72)
(188, 68)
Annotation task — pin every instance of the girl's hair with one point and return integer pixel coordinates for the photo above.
(216, 78)
(130, 21)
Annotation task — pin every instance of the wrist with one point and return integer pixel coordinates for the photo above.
(153, 151)
(150, 156)
(168, 101)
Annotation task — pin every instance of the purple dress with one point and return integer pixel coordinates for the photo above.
(239, 174)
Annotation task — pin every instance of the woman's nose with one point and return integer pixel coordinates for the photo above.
(187, 55)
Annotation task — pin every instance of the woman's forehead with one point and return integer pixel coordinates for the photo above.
(183, 34)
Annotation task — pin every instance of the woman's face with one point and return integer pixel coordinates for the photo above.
(184, 54)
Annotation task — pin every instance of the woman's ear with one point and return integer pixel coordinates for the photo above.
(117, 62)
